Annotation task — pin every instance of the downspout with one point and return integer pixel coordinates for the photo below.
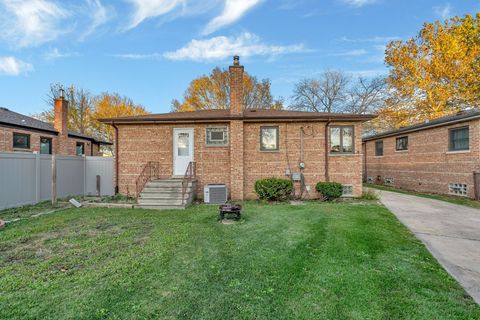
(327, 175)
(116, 156)
(365, 161)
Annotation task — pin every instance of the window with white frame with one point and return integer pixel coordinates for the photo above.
(458, 189)
(341, 139)
(216, 136)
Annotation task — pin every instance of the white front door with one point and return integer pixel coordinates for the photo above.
(182, 150)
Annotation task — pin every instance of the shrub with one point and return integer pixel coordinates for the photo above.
(369, 194)
(330, 190)
(274, 189)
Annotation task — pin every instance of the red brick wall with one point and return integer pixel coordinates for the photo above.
(344, 169)
(6, 142)
(427, 166)
(142, 143)
(139, 144)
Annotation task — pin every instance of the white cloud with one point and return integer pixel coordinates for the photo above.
(145, 9)
(245, 45)
(99, 16)
(352, 53)
(31, 22)
(375, 39)
(233, 11)
(359, 3)
(138, 56)
(444, 11)
(13, 67)
(54, 54)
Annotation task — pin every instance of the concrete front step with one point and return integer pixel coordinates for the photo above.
(166, 194)
(163, 195)
(166, 183)
(160, 207)
(165, 190)
(160, 202)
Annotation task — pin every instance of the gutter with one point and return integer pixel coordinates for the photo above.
(363, 118)
(116, 156)
(327, 142)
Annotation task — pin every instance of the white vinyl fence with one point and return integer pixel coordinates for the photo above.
(26, 178)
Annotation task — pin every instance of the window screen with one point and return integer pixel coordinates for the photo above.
(402, 144)
(216, 136)
(268, 138)
(341, 139)
(45, 145)
(459, 139)
(80, 150)
(21, 140)
(379, 148)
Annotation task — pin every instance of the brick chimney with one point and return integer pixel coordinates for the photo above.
(236, 87)
(60, 107)
(237, 180)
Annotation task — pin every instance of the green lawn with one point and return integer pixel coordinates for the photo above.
(443, 197)
(313, 261)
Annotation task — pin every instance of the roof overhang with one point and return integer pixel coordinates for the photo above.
(120, 121)
(426, 127)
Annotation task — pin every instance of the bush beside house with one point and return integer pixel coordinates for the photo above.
(274, 189)
(330, 190)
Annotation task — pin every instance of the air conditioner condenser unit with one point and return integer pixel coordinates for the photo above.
(215, 193)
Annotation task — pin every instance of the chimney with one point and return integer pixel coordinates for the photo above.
(60, 107)
(61, 113)
(236, 87)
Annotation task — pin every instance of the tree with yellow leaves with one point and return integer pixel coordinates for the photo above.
(434, 74)
(213, 92)
(108, 105)
(84, 110)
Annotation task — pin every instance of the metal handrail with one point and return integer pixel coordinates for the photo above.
(150, 171)
(189, 176)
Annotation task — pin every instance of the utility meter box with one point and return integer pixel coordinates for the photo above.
(296, 176)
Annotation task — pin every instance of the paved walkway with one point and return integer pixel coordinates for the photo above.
(450, 232)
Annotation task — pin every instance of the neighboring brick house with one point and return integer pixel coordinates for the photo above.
(440, 156)
(20, 133)
(237, 147)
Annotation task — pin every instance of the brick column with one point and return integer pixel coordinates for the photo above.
(61, 125)
(236, 130)
(236, 160)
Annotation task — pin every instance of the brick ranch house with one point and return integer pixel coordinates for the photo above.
(236, 147)
(20, 133)
(439, 156)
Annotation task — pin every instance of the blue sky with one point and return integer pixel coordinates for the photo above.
(149, 50)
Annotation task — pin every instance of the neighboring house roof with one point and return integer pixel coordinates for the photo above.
(443, 121)
(8, 117)
(248, 115)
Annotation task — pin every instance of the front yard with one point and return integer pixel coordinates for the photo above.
(313, 261)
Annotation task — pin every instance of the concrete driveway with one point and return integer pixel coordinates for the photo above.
(450, 232)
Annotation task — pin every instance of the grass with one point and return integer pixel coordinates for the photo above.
(29, 211)
(452, 199)
(312, 261)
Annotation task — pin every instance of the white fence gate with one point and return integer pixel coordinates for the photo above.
(26, 178)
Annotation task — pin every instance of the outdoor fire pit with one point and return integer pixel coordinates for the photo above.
(230, 210)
